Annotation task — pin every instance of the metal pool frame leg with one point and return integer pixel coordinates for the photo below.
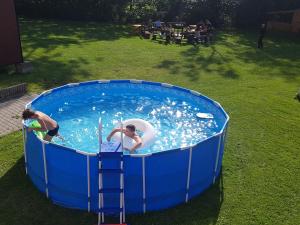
(24, 132)
(45, 168)
(189, 174)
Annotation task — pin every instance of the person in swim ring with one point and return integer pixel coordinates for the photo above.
(129, 131)
(47, 123)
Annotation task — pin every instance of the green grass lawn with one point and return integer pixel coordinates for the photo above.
(261, 164)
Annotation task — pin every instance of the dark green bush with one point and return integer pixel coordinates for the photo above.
(232, 12)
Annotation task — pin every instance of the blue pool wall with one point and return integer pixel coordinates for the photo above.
(152, 181)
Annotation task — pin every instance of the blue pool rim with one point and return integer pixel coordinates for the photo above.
(42, 165)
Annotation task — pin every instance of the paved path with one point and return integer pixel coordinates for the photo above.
(10, 114)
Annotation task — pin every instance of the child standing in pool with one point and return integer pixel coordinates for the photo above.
(47, 123)
(129, 132)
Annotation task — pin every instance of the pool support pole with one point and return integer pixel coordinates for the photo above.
(144, 184)
(100, 197)
(189, 174)
(100, 133)
(45, 168)
(122, 146)
(220, 135)
(24, 144)
(88, 181)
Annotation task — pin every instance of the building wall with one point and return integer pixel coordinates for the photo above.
(279, 26)
(10, 46)
(296, 22)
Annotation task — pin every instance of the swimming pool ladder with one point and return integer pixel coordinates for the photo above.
(111, 182)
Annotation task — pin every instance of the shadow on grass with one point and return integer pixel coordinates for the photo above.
(232, 51)
(279, 57)
(194, 64)
(50, 69)
(50, 34)
(21, 203)
(49, 72)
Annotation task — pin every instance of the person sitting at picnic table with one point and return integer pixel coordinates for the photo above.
(203, 33)
(168, 32)
(157, 24)
(197, 34)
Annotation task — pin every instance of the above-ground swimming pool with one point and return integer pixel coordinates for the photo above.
(184, 159)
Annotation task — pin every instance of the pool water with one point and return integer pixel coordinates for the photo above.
(172, 113)
(173, 116)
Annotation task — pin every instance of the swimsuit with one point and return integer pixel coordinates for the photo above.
(53, 132)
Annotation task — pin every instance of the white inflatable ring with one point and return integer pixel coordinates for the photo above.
(141, 125)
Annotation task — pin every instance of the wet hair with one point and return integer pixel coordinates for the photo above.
(27, 114)
(131, 127)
